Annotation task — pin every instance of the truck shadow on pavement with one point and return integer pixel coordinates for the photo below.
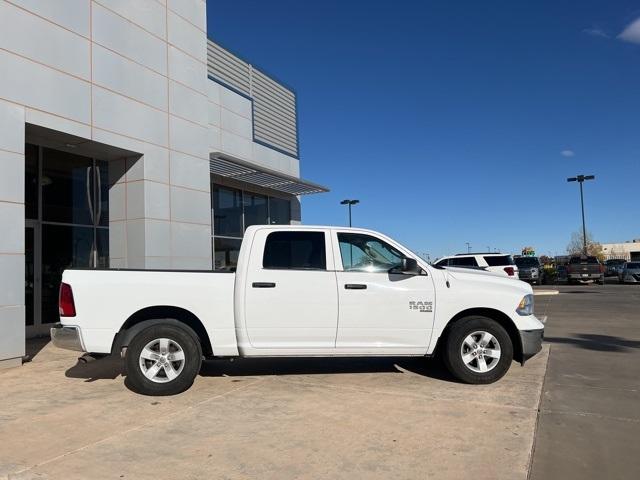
(243, 367)
(110, 367)
(602, 343)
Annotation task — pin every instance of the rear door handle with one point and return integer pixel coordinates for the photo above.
(263, 285)
(355, 286)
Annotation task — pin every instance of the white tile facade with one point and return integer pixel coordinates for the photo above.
(132, 75)
(126, 73)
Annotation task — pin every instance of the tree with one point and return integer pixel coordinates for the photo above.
(545, 259)
(576, 246)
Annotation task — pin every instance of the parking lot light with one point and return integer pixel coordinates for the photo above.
(580, 179)
(349, 202)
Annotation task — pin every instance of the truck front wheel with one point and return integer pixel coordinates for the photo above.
(162, 360)
(478, 350)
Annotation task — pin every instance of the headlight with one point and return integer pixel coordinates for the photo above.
(525, 307)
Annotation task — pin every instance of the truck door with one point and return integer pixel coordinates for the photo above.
(291, 299)
(378, 309)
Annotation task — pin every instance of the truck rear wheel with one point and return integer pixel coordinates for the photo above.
(478, 350)
(162, 360)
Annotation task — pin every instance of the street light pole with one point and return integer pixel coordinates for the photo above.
(349, 203)
(468, 247)
(580, 179)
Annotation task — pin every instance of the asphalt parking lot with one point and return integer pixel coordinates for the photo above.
(589, 421)
(577, 416)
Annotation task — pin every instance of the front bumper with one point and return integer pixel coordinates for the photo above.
(67, 337)
(531, 341)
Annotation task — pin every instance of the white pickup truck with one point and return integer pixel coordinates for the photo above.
(299, 291)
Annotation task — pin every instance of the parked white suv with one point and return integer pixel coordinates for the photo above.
(491, 262)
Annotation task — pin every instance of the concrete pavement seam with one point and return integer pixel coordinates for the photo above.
(538, 416)
(591, 414)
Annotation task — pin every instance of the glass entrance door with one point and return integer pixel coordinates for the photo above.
(70, 226)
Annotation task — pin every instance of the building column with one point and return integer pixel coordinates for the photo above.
(12, 275)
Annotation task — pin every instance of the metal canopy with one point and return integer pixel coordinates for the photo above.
(229, 167)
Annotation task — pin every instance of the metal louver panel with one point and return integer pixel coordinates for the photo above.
(228, 68)
(274, 105)
(236, 169)
(274, 113)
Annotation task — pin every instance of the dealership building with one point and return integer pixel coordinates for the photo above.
(128, 139)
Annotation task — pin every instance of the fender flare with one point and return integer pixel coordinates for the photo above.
(124, 337)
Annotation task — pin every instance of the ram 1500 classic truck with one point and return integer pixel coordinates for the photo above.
(299, 291)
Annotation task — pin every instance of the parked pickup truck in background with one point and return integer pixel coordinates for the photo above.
(583, 268)
(299, 291)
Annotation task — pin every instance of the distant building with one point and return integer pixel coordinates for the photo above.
(627, 250)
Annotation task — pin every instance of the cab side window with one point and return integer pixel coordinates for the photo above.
(295, 250)
(364, 253)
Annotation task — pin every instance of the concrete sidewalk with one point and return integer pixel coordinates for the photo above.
(267, 419)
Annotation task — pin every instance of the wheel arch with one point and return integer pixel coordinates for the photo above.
(162, 314)
(500, 317)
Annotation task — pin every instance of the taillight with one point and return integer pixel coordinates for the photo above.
(66, 306)
(510, 271)
(601, 268)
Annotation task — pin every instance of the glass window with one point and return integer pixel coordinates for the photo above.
(31, 181)
(443, 263)
(279, 211)
(583, 260)
(62, 247)
(102, 248)
(66, 194)
(255, 210)
(527, 262)
(226, 252)
(227, 212)
(499, 260)
(463, 262)
(364, 253)
(295, 250)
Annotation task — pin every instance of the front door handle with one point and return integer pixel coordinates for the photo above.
(355, 286)
(263, 285)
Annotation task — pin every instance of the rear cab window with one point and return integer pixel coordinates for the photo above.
(295, 250)
(583, 260)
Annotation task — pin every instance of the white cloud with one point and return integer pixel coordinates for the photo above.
(567, 153)
(596, 32)
(631, 34)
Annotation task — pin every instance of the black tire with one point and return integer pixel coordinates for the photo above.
(185, 338)
(456, 339)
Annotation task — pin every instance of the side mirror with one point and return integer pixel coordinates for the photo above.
(410, 266)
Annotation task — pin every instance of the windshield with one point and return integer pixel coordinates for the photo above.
(527, 262)
(633, 265)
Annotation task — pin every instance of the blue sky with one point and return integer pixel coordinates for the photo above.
(458, 122)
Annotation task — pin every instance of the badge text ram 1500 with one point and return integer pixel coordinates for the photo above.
(299, 291)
